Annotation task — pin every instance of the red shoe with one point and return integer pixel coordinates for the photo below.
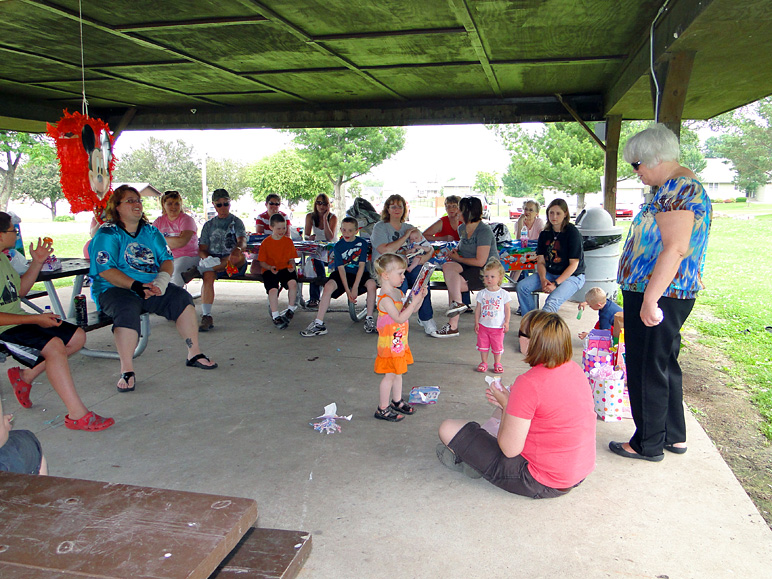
(91, 422)
(20, 387)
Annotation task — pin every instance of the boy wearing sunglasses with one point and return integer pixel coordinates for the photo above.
(224, 237)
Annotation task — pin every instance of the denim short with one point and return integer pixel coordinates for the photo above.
(22, 453)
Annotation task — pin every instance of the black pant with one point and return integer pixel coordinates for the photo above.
(654, 375)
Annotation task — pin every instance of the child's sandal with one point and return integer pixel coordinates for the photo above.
(483, 367)
(498, 368)
(388, 414)
(402, 407)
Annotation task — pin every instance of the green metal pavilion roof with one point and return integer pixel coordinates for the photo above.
(237, 63)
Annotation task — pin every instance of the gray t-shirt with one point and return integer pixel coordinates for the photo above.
(221, 235)
(483, 235)
(383, 232)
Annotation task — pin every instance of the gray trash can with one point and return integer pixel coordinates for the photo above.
(601, 252)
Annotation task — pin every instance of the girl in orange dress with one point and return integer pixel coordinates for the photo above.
(393, 351)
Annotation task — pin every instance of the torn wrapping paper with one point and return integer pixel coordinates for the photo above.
(424, 395)
(210, 261)
(329, 424)
(492, 425)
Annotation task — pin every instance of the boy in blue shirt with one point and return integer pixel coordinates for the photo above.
(595, 299)
(350, 277)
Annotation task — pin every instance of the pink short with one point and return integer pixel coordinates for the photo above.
(490, 339)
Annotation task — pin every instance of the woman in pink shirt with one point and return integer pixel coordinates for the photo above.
(546, 441)
(180, 231)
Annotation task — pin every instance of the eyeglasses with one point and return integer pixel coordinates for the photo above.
(8, 231)
(132, 201)
(395, 206)
(274, 203)
(322, 203)
(223, 204)
(636, 165)
(523, 335)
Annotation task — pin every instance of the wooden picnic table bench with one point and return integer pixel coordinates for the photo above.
(65, 527)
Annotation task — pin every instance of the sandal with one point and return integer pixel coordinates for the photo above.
(483, 367)
(91, 422)
(498, 368)
(402, 407)
(388, 414)
(126, 376)
(20, 387)
(194, 362)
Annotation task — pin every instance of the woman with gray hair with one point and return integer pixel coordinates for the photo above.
(660, 273)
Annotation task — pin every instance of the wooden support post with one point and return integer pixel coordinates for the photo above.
(613, 130)
(673, 76)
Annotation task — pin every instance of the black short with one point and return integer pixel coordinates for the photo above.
(125, 307)
(350, 278)
(281, 278)
(473, 276)
(26, 341)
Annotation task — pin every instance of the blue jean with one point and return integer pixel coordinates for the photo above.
(425, 312)
(554, 300)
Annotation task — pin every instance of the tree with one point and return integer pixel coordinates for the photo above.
(487, 183)
(227, 174)
(165, 165)
(13, 146)
(343, 154)
(285, 174)
(38, 178)
(747, 143)
(563, 156)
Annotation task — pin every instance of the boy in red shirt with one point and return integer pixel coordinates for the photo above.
(277, 257)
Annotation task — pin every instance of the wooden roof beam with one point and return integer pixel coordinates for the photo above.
(461, 9)
(199, 23)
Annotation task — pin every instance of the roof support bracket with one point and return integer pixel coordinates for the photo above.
(579, 120)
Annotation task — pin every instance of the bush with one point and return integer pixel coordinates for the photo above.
(741, 200)
(60, 218)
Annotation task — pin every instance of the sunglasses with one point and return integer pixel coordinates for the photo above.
(223, 204)
(132, 201)
(274, 203)
(636, 165)
(322, 203)
(523, 335)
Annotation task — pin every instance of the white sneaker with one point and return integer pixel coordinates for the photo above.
(370, 326)
(429, 326)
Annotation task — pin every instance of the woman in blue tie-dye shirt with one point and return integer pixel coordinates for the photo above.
(660, 273)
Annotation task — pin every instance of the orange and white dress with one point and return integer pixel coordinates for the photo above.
(393, 351)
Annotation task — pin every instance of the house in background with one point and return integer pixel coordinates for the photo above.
(718, 178)
(144, 189)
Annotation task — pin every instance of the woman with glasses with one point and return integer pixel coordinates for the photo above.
(389, 236)
(446, 227)
(132, 267)
(321, 225)
(530, 219)
(660, 273)
(263, 221)
(180, 231)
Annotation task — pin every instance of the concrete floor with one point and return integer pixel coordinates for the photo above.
(375, 498)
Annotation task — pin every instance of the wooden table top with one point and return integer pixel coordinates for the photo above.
(62, 527)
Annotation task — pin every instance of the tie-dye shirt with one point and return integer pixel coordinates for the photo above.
(644, 241)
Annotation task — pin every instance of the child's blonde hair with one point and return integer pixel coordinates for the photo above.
(492, 264)
(595, 295)
(389, 261)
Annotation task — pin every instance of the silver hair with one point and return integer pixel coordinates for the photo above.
(652, 146)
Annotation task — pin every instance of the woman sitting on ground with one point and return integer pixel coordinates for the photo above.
(180, 231)
(463, 270)
(546, 442)
(559, 262)
(132, 268)
(446, 227)
(321, 225)
(42, 342)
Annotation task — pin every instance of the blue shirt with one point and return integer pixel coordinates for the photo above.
(644, 240)
(350, 254)
(139, 256)
(606, 315)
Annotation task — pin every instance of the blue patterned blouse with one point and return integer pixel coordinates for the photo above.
(644, 241)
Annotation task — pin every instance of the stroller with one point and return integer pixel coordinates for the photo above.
(365, 214)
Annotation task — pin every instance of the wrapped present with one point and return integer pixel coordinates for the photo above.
(599, 339)
(609, 393)
(516, 258)
(619, 358)
(597, 350)
(424, 395)
(441, 252)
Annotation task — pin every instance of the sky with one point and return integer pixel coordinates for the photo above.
(431, 153)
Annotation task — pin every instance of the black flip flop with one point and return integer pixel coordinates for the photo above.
(194, 362)
(126, 376)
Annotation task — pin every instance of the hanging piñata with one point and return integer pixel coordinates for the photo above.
(86, 163)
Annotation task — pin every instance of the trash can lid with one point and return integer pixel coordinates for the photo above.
(596, 221)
